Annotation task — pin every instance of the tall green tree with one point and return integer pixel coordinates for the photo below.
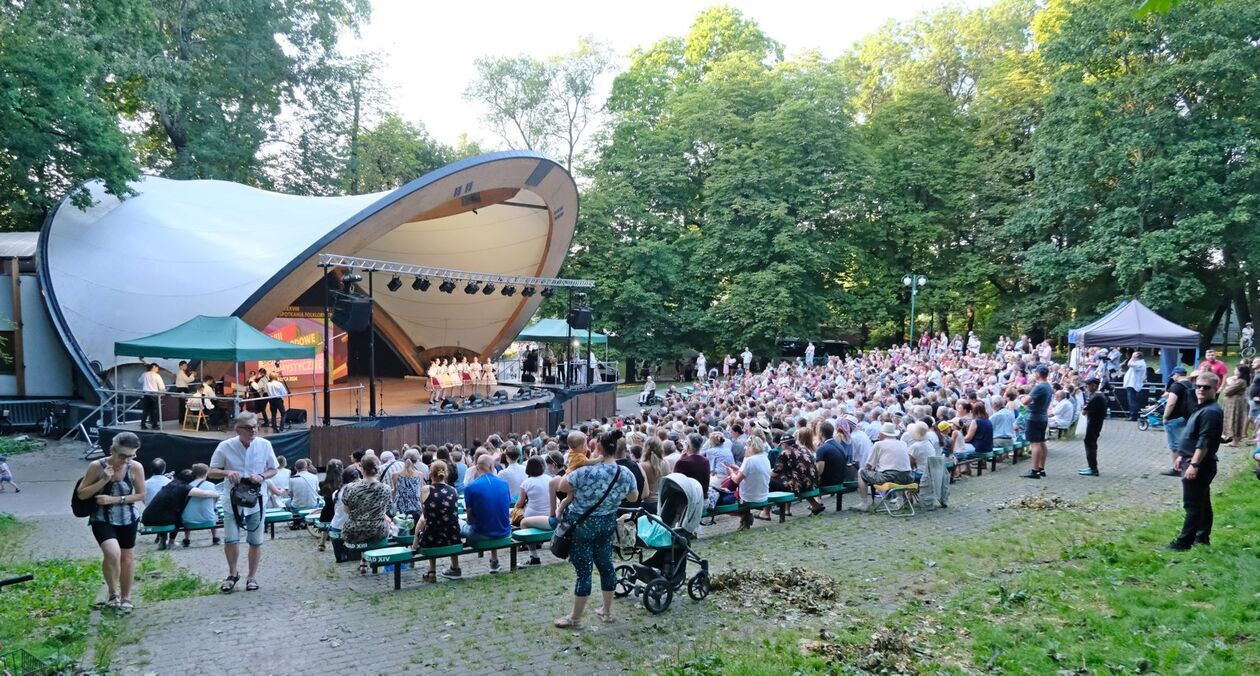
(56, 126)
(1146, 163)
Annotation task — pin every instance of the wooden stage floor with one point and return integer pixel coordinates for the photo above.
(396, 397)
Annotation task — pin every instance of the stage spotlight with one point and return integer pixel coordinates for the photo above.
(394, 284)
(488, 289)
(528, 291)
(508, 290)
(548, 292)
(471, 288)
(421, 284)
(447, 286)
(349, 279)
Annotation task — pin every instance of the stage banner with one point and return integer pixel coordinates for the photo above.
(305, 326)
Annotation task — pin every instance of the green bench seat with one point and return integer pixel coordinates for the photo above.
(839, 490)
(436, 552)
(155, 530)
(782, 499)
(488, 545)
(381, 554)
(388, 555)
(809, 494)
(532, 536)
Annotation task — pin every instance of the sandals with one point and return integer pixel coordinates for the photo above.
(816, 512)
(760, 517)
(429, 576)
(363, 567)
(320, 547)
(605, 616)
(567, 622)
(251, 584)
(229, 583)
(126, 605)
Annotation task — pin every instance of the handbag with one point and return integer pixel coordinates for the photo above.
(83, 508)
(562, 539)
(245, 495)
(516, 515)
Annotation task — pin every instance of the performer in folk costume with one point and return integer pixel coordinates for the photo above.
(474, 375)
(465, 377)
(488, 376)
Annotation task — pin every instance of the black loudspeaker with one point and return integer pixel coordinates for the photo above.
(295, 416)
(450, 403)
(500, 394)
(352, 313)
(551, 380)
(580, 318)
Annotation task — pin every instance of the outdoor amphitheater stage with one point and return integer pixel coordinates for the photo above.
(404, 416)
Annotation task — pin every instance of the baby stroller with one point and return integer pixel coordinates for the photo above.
(657, 578)
(1152, 417)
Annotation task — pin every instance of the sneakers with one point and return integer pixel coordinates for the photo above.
(1087, 472)
(1033, 474)
(534, 561)
(185, 542)
(1175, 547)
(1170, 472)
(494, 565)
(216, 541)
(453, 573)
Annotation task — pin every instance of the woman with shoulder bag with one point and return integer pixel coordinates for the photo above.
(116, 484)
(593, 494)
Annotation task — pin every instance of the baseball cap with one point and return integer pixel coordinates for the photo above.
(1094, 381)
(1180, 370)
(1043, 370)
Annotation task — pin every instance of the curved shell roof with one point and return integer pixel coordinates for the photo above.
(124, 269)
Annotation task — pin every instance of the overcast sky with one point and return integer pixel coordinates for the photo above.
(429, 48)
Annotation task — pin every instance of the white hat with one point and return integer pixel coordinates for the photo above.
(888, 430)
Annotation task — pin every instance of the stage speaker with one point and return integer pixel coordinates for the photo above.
(551, 380)
(295, 416)
(501, 394)
(352, 313)
(527, 377)
(450, 403)
(580, 318)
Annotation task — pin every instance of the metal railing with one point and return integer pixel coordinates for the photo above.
(121, 401)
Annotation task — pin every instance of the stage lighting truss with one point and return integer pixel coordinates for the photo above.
(474, 281)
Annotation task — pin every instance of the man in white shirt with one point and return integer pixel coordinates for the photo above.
(303, 486)
(747, 356)
(245, 457)
(276, 392)
(185, 381)
(1062, 412)
(702, 368)
(513, 473)
(809, 354)
(151, 382)
(1135, 384)
(889, 462)
(649, 389)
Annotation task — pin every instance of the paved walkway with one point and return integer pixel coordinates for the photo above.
(315, 616)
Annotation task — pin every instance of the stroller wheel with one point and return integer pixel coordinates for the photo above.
(625, 581)
(1144, 424)
(698, 586)
(657, 596)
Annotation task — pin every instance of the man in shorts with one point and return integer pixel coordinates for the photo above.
(1038, 403)
(243, 458)
(889, 462)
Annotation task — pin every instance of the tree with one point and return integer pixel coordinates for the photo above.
(56, 129)
(212, 77)
(545, 105)
(1147, 177)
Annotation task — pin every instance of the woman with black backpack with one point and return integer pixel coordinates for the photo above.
(107, 494)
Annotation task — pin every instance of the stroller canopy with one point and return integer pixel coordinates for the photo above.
(681, 502)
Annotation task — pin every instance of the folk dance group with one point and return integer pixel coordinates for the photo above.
(448, 378)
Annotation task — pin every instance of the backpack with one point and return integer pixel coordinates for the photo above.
(83, 508)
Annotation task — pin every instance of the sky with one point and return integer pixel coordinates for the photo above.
(428, 49)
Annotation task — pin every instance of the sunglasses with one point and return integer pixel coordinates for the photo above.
(247, 427)
(1203, 387)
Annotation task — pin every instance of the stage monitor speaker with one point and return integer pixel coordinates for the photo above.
(352, 313)
(500, 394)
(551, 380)
(451, 403)
(295, 416)
(580, 318)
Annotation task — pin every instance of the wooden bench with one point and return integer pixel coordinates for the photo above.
(399, 556)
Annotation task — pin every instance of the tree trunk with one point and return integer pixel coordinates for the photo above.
(1212, 325)
(1241, 307)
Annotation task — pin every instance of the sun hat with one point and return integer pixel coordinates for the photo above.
(888, 430)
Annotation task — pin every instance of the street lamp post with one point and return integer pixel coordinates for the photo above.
(914, 282)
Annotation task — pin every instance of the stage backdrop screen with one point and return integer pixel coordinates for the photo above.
(305, 326)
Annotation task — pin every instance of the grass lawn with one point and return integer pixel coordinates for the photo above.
(1066, 592)
(51, 616)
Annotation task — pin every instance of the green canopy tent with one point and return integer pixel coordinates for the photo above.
(213, 339)
(220, 339)
(557, 331)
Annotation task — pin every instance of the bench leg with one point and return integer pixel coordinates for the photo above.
(512, 558)
(980, 467)
(271, 527)
(839, 500)
(783, 512)
(398, 576)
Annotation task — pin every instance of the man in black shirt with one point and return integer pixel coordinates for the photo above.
(1179, 406)
(1095, 413)
(831, 458)
(1197, 463)
(1038, 403)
